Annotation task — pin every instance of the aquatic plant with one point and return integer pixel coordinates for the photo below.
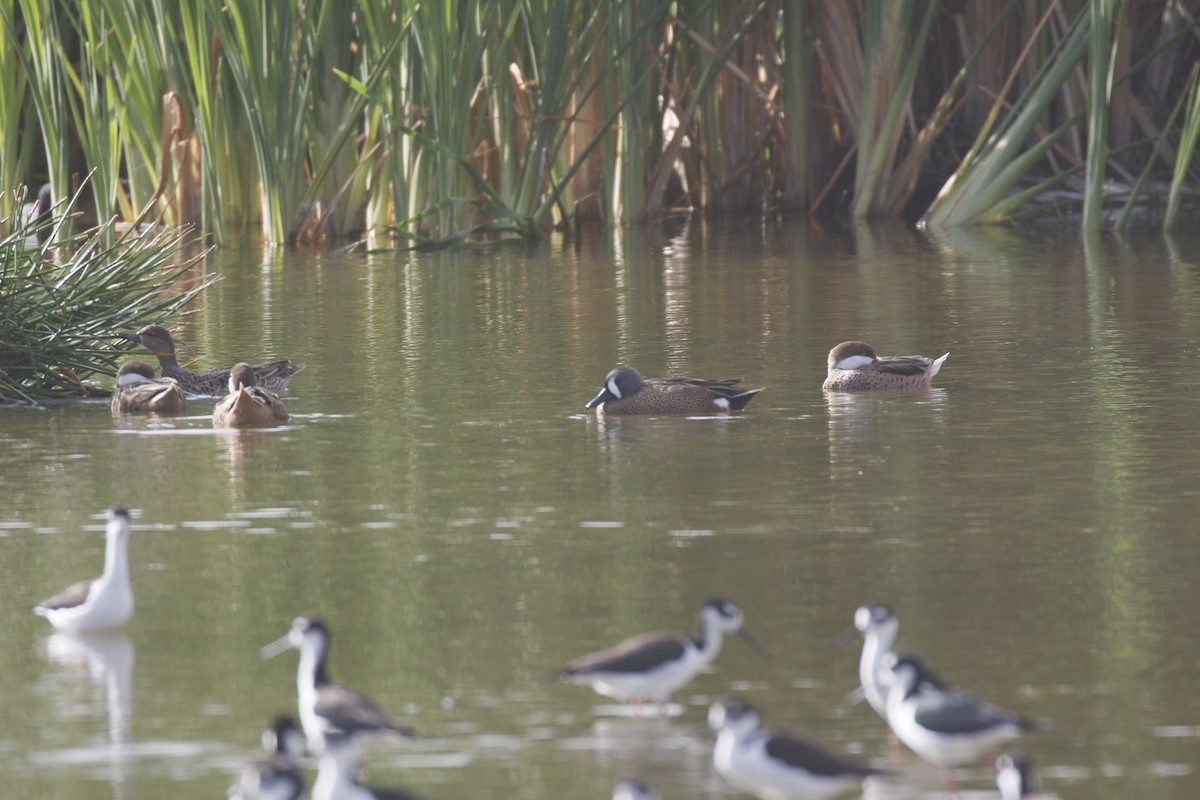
(436, 123)
(60, 304)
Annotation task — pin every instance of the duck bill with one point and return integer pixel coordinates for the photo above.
(130, 335)
(276, 647)
(755, 644)
(604, 396)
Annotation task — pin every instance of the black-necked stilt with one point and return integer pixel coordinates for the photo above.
(102, 604)
(653, 665)
(775, 765)
(878, 627)
(1017, 780)
(634, 789)
(943, 725)
(338, 768)
(326, 707)
(275, 777)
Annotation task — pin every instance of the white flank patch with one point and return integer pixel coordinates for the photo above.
(721, 403)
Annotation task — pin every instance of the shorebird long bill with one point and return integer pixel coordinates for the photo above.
(277, 647)
(755, 644)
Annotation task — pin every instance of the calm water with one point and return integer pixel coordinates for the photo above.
(465, 527)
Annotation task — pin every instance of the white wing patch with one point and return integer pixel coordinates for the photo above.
(854, 362)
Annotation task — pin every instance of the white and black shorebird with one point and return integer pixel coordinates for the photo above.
(1017, 779)
(634, 789)
(877, 626)
(943, 725)
(653, 665)
(105, 603)
(326, 707)
(775, 765)
(337, 772)
(275, 777)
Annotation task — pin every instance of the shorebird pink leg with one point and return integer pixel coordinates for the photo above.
(951, 783)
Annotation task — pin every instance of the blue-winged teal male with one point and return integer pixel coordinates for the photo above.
(626, 392)
(138, 391)
(854, 366)
(248, 403)
(215, 382)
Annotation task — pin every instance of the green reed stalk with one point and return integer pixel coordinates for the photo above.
(43, 60)
(895, 48)
(137, 33)
(92, 102)
(1100, 77)
(1187, 150)
(268, 48)
(798, 65)
(16, 143)
(998, 160)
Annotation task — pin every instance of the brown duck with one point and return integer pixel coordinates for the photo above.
(215, 382)
(248, 403)
(626, 392)
(853, 366)
(138, 391)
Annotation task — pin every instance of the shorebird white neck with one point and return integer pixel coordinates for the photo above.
(312, 654)
(335, 774)
(877, 643)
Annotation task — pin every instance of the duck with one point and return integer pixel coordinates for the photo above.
(777, 765)
(944, 725)
(275, 777)
(138, 391)
(214, 383)
(652, 666)
(626, 392)
(853, 366)
(104, 603)
(248, 403)
(327, 709)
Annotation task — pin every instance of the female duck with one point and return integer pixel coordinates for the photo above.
(139, 392)
(248, 403)
(157, 339)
